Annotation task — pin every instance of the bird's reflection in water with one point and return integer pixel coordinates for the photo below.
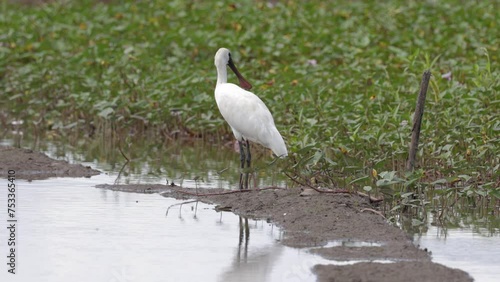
(244, 238)
(252, 262)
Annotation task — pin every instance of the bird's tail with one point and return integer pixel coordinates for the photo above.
(277, 145)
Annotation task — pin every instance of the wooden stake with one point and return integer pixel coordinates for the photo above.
(417, 120)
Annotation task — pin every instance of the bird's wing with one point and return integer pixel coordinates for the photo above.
(247, 114)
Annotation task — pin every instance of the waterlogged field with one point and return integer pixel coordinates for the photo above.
(340, 77)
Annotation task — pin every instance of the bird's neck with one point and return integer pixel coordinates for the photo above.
(221, 74)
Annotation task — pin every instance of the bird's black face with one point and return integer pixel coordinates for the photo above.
(243, 82)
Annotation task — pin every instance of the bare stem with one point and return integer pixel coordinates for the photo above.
(417, 120)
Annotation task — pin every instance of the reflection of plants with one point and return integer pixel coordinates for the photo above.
(413, 195)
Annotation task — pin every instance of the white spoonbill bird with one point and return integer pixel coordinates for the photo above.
(247, 115)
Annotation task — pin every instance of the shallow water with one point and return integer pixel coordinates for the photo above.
(213, 166)
(68, 230)
(476, 253)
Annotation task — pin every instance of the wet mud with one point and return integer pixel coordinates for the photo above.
(31, 165)
(411, 271)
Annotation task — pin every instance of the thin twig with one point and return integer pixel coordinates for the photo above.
(372, 199)
(229, 192)
(166, 214)
(373, 211)
(120, 173)
(298, 182)
(123, 154)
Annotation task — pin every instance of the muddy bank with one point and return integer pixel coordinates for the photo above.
(32, 165)
(315, 220)
(417, 271)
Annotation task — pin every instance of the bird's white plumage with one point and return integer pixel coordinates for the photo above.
(248, 116)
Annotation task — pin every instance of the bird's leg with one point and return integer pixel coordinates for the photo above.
(249, 159)
(242, 159)
(249, 156)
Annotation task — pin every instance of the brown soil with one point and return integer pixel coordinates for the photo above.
(35, 166)
(417, 271)
(321, 218)
(312, 220)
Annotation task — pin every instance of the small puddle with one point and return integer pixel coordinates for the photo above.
(335, 251)
(351, 244)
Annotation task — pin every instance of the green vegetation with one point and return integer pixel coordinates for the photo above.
(340, 77)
